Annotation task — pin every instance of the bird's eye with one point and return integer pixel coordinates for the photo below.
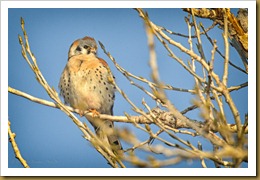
(78, 49)
(85, 46)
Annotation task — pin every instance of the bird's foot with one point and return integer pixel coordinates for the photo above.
(94, 112)
(81, 112)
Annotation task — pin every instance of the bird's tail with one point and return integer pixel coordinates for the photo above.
(106, 132)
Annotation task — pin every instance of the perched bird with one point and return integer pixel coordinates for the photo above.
(87, 84)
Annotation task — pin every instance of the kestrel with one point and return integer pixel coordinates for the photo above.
(86, 84)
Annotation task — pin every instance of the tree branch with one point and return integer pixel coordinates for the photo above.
(15, 147)
(166, 117)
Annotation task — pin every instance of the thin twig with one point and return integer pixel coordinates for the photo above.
(192, 36)
(212, 43)
(225, 36)
(15, 147)
(127, 74)
(202, 159)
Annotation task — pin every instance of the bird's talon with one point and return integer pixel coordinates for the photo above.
(94, 112)
(81, 113)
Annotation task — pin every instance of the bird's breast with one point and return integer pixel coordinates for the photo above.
(85, 85)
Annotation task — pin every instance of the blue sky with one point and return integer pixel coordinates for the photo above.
(46, 136)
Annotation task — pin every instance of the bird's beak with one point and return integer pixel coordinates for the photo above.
(93, 50)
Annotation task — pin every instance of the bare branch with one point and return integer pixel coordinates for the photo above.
(192, 36)
(15, 147)
(225, 36)
(237, 33)
(166, 117)
(211, 41)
